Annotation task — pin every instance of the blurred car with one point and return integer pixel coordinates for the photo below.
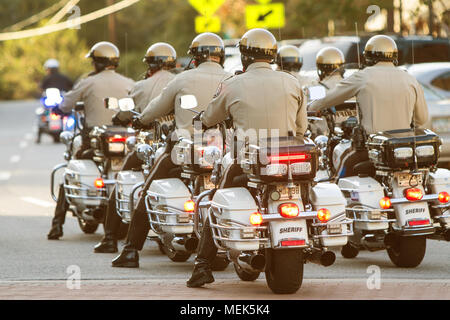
(434, 75)
(439, 110)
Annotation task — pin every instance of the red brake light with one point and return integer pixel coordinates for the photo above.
(189, 206)
(54, 116)
(256, 219)
(323, 215)
(385, 203)
(444, 197)
(99, 183)
(290, 243)
(117, 138)
(289, 210)
(413, 194)
(413, 223)
(292, 158)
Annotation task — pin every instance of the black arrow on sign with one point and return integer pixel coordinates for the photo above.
(263, 17)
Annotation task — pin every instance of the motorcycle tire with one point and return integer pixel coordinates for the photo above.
(176, 256)
(284, 270)
(220, 263)
(87, 226)
(123, 231)
(349, 251)
(407, 252)
(56, 138)
(246, 275)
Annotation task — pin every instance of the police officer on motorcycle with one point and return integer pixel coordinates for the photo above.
(161, 59)
(55, 79)
(103, 83)
(289, 60)
(388, 98)
(328, 62)
(246, 99)
(208, 53)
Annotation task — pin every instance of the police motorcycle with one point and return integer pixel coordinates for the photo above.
(169, 202)
(398, 197)
(281, 218)
(49, 122)
(88, 180)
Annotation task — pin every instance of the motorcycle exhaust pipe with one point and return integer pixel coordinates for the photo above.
(252, 262)
(325, 259)
(183, 244)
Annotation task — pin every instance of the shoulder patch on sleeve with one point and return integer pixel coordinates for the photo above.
(219, 90)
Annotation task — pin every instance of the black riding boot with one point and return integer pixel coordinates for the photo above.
(129, 258)
(112, 224)
(207, 251)
(62, 206)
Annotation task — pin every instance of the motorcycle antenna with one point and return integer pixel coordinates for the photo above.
(357, 45)
(414, 116)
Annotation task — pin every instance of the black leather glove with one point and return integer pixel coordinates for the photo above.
(57, 111)
(137, 124)
(117, 121)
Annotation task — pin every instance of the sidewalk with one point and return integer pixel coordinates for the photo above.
(225, 290)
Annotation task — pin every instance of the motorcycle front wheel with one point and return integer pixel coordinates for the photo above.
(407, 252)
(284, 270)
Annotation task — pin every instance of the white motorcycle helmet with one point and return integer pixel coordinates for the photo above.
(51, 64)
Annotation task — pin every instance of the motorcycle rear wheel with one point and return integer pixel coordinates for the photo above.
(284, 270)
(407, 252)
(176, 256)
(246, 275)
(87, 227)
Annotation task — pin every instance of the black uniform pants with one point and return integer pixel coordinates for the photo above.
(140, 226)
(112, 219)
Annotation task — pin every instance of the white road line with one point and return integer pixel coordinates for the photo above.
(5, 175)
(41, 203)
(28, 136)
(15, 159)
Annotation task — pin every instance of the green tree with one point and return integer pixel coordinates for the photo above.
(21, 61)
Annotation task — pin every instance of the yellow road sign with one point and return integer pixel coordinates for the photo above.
(207, 24)
(263, 1)
(270, 16)
(206, 7)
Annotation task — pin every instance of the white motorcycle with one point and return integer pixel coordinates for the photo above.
(88, 181)
(280, 219)
(398, 197)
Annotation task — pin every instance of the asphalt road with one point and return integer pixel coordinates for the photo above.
(26, 256)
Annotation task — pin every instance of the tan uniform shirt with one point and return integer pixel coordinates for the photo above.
(304, 81)
(387, 96)
(330, 82)
(260, 98)
(201, 82)
(92, 91)
(146, 90)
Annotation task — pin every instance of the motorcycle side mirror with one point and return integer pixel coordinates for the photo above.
(317, 92)
(188, 102)
(126, 104)
(79, 106)
(111, 103)
(66, 138)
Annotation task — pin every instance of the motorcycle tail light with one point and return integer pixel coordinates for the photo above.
(323, 215)
(385, 203)
(99, 183)
(291, 243)
(54, 116)
(290, 158)
(189, 206)
(117, 138)
(413, 194)
(421, 222)
(289, 210)
(443, 197)
(256, 219)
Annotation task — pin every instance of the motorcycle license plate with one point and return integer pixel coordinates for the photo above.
(407, 179)
(116, 164)
(55, 124)
(208, 184)
(284, 192)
